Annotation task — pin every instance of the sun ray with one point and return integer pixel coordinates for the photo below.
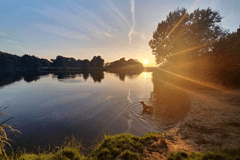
(206, 84)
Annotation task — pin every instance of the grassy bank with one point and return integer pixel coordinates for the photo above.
(122, 146)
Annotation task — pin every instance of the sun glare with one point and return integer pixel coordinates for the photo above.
(145, 61)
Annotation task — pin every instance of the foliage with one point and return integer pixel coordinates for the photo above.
(149, 135)
(61, 61)
(182, 32)
(10, 62)
(226, 154)
(35, 157)
(70, 149)
(122, 144)
(123, 66)
(4, 128)
(125, 146)
(68, 154)
(229, 44)
(130, 155)
(97, 62)
(225, 60)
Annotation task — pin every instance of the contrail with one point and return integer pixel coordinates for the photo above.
(133, 19)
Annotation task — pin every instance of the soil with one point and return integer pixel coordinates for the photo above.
(213, 123)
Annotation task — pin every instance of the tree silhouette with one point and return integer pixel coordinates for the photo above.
(121, 65)
(229, 44)
(97, 61)
(182, 32)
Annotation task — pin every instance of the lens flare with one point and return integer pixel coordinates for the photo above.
(145, 61)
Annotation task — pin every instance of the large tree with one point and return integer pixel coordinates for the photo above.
(182, 32)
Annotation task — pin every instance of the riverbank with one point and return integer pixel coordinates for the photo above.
(212, 123)
(151, 146)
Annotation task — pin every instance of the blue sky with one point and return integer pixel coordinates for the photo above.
(84, 28)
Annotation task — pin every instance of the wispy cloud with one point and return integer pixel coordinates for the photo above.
(111, 7)
(77, 23)
(141, 35)
(133, 19)
(4, 34)
(11, 41)
(61, 31)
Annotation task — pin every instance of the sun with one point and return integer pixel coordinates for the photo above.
(145, 61)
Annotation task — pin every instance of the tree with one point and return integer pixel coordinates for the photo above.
(97, 61)
(229, 44)
(182, 32)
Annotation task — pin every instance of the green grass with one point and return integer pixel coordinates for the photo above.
(150, 135)
(125, 145)
(225, 154)
(34, 157)
(68, 153)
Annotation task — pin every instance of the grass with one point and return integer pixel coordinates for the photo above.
(125, 145)
(4, 128)
(225, 154)
(68, 153)
(71, 149)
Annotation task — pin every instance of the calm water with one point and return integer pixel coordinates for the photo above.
(49, 107)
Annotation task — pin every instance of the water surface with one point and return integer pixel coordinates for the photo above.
(46, 108)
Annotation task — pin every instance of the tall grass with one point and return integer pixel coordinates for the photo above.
(4, 128)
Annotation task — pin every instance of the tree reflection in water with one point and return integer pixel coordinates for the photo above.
(171, 103)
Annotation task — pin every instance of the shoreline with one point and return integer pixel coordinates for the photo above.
(213, 123)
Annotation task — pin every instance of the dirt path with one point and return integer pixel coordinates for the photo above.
(212, 123)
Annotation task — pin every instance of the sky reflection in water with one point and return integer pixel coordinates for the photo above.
(48, 108)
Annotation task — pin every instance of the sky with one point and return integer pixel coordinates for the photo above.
(84, 28)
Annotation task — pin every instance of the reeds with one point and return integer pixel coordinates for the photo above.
(4, 128)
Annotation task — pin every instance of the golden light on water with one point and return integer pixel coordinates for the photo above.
(145, 61)
(146, 75)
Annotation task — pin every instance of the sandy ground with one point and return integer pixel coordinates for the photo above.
(212, 123)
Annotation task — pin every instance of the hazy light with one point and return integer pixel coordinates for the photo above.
(145, 61)
(146, 75)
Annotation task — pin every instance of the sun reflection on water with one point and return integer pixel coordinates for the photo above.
(146, 75)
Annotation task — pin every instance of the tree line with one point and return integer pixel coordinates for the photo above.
(121, 65)
(9, 62)
(195, 44)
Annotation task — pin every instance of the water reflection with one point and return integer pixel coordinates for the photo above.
(123, 75)
(67, 77)
(31, 77)
(171, 104)
(97, 76)
(10, 78)
(49, 110)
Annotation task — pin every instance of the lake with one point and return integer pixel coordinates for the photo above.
(47, 108)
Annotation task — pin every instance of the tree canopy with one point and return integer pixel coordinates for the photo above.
(182, 32)
(121, 65)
